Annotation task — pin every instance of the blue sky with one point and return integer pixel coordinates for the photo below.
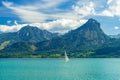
(59, 15)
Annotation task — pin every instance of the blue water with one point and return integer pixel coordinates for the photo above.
(58, 69)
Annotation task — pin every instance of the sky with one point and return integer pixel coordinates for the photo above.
(59, 15)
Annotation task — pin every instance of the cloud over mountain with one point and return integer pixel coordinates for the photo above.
(59, 26)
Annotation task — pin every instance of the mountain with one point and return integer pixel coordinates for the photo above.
(27, 33)
(89, 34)
(87, 37)
(33, 34)
(87, 40)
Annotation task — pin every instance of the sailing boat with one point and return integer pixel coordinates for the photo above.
(66, 57)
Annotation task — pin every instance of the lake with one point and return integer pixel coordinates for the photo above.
(58, 69)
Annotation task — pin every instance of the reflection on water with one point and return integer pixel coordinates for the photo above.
(58, 69)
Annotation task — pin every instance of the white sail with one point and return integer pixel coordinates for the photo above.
(66, 57)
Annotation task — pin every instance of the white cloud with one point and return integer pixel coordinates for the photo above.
(109, 1)
(9, 21)
(81, 9)
(60, 26)
(25, 14)
(113, 8)
(15, 22)
(35, 13)
(88, 7)
(85, 8)
(116, 27)
(106, 13)
(14, 28)
(50, 4)
(64, 20)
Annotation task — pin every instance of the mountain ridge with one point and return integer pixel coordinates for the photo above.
(85, 41)
(27, 33)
